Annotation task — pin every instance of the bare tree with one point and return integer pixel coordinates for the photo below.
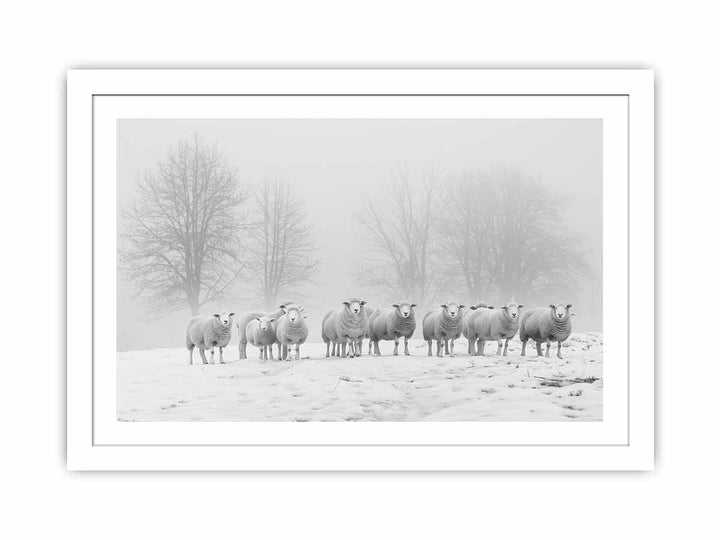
(506, 238)
(400, 237)
(181, 236)
(281, 245)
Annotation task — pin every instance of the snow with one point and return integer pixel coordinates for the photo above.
(159, 385)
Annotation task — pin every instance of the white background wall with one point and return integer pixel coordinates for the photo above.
(40, 40)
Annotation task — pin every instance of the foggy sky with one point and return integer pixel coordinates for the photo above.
(334, 165)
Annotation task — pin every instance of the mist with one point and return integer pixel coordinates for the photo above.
(335, 166)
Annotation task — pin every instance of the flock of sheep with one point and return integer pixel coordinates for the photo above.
(345, 328)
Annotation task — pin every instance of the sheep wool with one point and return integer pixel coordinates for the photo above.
(497, 325)
(244, 319)
(291, 332)
(391, 324)
(546, 325)
(345, 326)
(260, 332)
(443, 324)
(207, 333)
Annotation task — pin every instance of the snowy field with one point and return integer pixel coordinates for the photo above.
(159, 385)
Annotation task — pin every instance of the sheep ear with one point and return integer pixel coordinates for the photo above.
(569, 306)
(232, 314)
(552, 306)
(504, 306)
(396, 305)
(413, 305)
(257, 319)
(443, 306)
(461, 306)
(272, 320)
(521, 305)
(491, 307)
(282, 306)
(216, 315)
(473, 307)
(362, 302)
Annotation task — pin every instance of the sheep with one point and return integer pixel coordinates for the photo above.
(291, 331)
(392, 323)
(260, 332)
(496, 325)
(207, 333)
(545, 325)
(243, 321)
(469, 320)
(443, 324)
(345, 326)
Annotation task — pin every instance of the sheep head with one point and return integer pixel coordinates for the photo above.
(294, 313)
(452, 308)
(405, 309)
(354, 305)
(560, 310)
(512, 310)
(224, 318)
(265, 322)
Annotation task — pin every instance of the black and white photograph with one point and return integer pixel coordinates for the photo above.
(360, 269)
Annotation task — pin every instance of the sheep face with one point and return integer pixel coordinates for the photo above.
(561, 310)
(265, 323)
(224, 318)
(512, 310)
(294, 313)
(354, 305)
(404, 309)
(452, 309)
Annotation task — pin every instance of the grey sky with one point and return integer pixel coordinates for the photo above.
(334, 165)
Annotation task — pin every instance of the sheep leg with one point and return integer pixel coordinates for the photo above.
(547, 349)
(395, 350)
(360, 347)
(507, 340)
(202, 355)
(452, 347)
(268, 351)
(344, 350)
(283, 354)
(522, 353)
(222, 360)
(242, 350)
(429, 342)
(471, 347)
(481, 347)
(539, 348)
(440, 348)
(407, 351)
(499, 349)
(191, 351)
(559, 354)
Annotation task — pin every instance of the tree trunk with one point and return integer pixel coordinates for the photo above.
(194, 303)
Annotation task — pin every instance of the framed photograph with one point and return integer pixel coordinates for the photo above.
(360, 270)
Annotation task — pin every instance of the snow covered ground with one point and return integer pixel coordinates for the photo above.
(159, 385)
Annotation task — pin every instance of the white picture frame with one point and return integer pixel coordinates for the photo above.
(624, 440)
